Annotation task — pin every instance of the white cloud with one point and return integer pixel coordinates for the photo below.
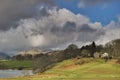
(103, 3)
(60, 27)
(112, 31)
(81, 4)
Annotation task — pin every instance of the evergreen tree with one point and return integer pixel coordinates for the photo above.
(93, 49)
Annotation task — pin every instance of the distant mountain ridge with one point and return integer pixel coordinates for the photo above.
(34, 51)
(3, 55)
(112, 47)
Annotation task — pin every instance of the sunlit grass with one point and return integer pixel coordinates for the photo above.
(92, 69)
(11, 64)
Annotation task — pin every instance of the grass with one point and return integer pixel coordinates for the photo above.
(13, 64)
(90, 69)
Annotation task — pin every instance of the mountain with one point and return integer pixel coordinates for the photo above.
(4, 55)
(34, 51)
(113, 47)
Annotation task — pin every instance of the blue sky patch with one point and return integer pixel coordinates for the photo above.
(103, 13)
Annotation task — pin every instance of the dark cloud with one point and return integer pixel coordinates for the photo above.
(86, 28)
(13, 10)
(58, 28)
(69, 27)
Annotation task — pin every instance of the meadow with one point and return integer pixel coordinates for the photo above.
(15, 64)
(79, 69)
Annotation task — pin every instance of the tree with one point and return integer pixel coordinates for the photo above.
(38, 55)
(85, 53)
(72, 46)
(57, 56)
(18, 57)
(27, 56)
(71, 51)
(93, 49)
(41, 63)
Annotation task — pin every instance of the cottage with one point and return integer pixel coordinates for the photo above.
(105, 56)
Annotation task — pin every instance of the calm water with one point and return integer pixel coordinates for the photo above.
(14, 73)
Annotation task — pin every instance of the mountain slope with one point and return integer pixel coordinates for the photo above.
(3, 55)
(113, 48)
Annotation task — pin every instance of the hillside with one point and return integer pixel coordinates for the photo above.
(113, 48)
(31, 52)
(4, 55)
(79, 69)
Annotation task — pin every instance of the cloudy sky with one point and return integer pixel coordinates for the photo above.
(54, 24)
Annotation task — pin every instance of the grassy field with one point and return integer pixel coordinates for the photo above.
(82, 69)
(14, 64)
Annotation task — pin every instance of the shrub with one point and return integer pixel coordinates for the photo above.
(41, 64)
(81, 61)
(2, 66)
(118, 61)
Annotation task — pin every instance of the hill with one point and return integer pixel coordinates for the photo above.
(79, 69)
(4, 55)
(113, 48)
(31, 52)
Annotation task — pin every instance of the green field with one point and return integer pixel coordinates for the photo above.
(82, 69)
(14, 64)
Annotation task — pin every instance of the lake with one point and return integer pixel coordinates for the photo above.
(14, 73)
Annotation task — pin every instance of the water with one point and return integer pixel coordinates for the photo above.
(14, 73)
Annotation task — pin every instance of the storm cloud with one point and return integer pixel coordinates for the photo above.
(58, 28)
(13, 10)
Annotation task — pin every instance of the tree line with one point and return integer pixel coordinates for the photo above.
(43, 62)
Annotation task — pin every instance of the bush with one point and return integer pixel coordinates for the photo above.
(82, 61)
(41, 64)
(118, 61)
(79, 63)
(2, 66)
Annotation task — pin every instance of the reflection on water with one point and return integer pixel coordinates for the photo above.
(14, 73)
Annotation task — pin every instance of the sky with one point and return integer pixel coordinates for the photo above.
(99, 11)
(54, 24)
